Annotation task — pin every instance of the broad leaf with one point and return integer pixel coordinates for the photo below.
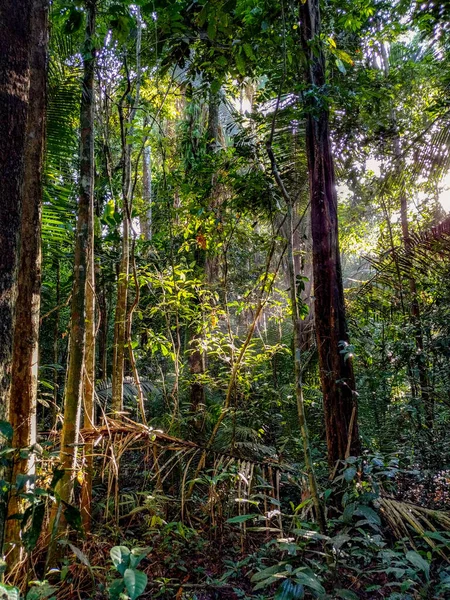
(135, 582)
(120, 556)
(367, 512)
(419, 562)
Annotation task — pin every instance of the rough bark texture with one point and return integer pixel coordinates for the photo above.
(22, 414)
(73, 391)
(336, 371)
(15, 19)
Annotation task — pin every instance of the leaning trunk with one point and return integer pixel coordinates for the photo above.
(26, 324)
(336, 371)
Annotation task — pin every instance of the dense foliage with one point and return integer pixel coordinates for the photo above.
(229, 448)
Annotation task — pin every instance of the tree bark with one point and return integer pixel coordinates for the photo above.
(74, 387)
(208, 264)
(336, 370)
(26, 323)
(15, 42)
(146, 218)
(298, 372)
(89, 382)
(120, 320)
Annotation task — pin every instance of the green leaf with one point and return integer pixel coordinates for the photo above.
(10, 592)
(340, 66)
(346, 594)
(249, 52)
(240, 64)
(31, 536)
(58, 474)
(137, 554)
(289, 590)
(6, 430)
(268, 572)
(135, 582)
(74, 21)
(367, 512)
(265, 583)
(23, 480)
(116, 588)
(241, 518)
(308, 578)
(419, 562)
(72, 516)
(40, 590)
(120, 556)
(349, 474)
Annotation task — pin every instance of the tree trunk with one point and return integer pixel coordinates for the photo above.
(26, 323)
(208, 264)
(415, 315)
(74, 387)
(146, 218)
(336, 370)
(296, 321)
(120, 320)
(89, 382)
(15, 42)
(54, 408)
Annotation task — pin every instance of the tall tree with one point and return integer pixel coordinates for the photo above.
(336, 371)
(83, 252)
(15, 42)
(22, 414)
(120, 320)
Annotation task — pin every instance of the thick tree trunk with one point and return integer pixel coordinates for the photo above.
(15, 41)
(336, 371)
(26, 323)
(74, 387)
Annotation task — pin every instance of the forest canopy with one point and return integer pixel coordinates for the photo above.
(224, 299)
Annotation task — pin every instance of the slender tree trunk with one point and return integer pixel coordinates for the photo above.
(54, 408)
(89, 381)
(26, 323)
(120, 321)
(103, 332)
(15, 19)
(208, 264)
(146, 219)
(74, 387)
(336, 370)
(415, 315)
(296, 321)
